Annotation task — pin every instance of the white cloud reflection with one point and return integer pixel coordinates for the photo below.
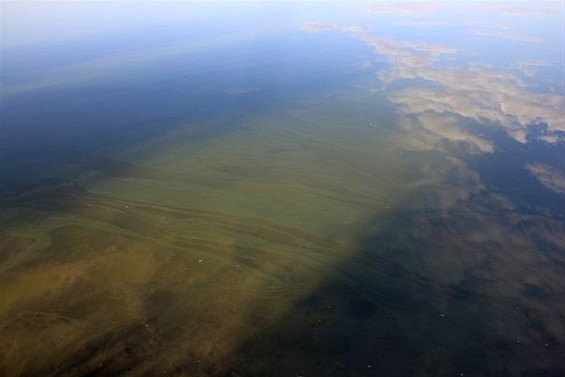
(437, 128)
(484, 95)
(506, 35)
(529, 68)
(546, 11)
(549, 177)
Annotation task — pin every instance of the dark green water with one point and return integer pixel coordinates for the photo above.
(282, 190)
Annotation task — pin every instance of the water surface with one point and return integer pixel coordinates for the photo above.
(309, 189)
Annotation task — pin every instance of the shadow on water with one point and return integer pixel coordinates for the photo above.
(388, 312)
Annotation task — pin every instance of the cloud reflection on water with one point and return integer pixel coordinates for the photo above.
(549, 177)
(484, 95)
(511, 36)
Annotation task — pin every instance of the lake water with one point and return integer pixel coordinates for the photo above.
(267, 189)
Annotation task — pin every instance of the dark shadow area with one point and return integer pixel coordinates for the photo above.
(388, 312)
